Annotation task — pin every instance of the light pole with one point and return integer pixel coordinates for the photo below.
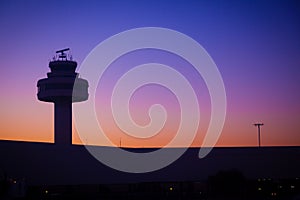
(258, 129)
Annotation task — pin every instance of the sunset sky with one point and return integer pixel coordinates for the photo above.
(255, 45)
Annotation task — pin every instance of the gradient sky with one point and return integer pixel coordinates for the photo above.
(255, 45)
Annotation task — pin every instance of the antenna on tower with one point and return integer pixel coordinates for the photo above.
(258, 131)
(63, 55)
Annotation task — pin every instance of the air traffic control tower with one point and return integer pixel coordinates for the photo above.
(59, 89)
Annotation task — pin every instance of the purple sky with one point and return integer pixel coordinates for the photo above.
(255, 45)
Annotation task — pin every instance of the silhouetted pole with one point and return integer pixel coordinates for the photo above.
(258, 129)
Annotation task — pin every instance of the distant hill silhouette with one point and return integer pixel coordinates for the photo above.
(45, 163)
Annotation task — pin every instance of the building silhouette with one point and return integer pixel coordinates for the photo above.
(59, 88)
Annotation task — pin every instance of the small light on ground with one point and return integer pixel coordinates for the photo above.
(273, 194)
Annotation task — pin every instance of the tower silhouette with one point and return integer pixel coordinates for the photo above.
(59, 89)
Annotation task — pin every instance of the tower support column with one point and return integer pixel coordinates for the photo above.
(63, 122)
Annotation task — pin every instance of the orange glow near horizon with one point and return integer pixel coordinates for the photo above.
(35, 123)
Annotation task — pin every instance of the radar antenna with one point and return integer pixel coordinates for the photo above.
(63, 55)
